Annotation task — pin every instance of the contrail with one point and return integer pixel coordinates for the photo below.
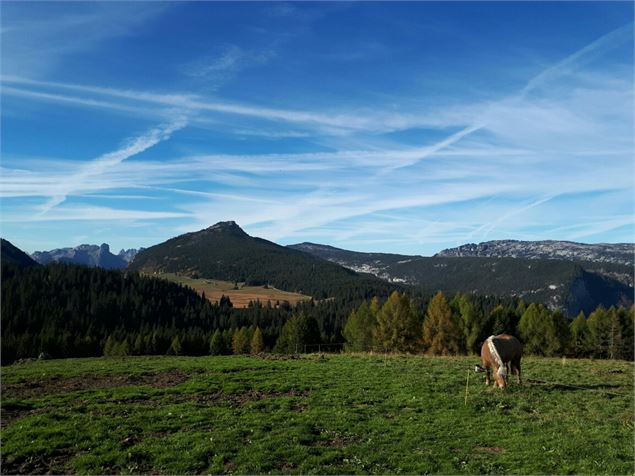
(99, 165)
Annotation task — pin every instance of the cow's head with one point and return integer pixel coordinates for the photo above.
(500, 376)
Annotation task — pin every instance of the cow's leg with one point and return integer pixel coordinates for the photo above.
(516, 366)
(487, 380)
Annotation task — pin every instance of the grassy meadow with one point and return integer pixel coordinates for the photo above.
(214, 289)
(332, 414)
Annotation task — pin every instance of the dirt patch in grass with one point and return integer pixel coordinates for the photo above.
(55, 385)
(240, 399)
(278, 356)
(9, 415)
(55, 463)
(489, 449)
(299, 407)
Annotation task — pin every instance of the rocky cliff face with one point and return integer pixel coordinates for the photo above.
(87, 255)
(615, 253)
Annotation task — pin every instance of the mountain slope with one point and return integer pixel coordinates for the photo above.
(377, 264)
(87, 255)
(616, 253)
(10, 254)
(557, 283)
(225, 252)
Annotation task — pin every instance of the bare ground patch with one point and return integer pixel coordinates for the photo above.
(53, 385)
(10, 413)
(55, 463)
(240, 399)
(489, 449)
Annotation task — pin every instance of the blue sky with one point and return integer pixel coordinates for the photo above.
(398, 127)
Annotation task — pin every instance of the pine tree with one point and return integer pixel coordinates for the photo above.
(249, 335)
(175, 346)
(562, 330)
(257, 342)
(614, 345)
(538, 331)
(501, 321)
(298, 333)
(124, 347)
(441, 335)
(137, 348)
(579, 341)
(471, 323)
(598, 323)
(109, 347)
(625, 316)
(228, 338)
(217, 344)
(240, 340)
(359, 329)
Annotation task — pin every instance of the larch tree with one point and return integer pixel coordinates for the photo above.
(441, 334)
(397, 325)
(257, 342)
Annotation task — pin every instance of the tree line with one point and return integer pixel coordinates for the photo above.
(67, 310)
(73, 311)
(457, 326)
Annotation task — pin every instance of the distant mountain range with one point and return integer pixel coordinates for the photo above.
(567, 284)
(566, 275)
(87, 255)
(616, 253)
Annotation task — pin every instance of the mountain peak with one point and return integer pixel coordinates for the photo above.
(227, 227)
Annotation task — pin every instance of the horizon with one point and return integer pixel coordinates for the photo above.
(114, 251)
(398, 128)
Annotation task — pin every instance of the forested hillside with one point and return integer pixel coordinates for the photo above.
(225, 252)
(568, 285)
(10, 254)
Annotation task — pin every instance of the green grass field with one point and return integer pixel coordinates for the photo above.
(317, 414)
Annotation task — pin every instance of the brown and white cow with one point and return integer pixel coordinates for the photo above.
(496, 353)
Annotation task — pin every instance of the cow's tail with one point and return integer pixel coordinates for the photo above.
(492, 349)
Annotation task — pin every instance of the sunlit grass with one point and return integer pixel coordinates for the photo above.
(319, 414)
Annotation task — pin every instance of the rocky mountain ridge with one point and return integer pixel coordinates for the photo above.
(87, 255)
(615, 253)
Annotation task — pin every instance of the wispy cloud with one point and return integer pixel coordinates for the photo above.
(216, 69)
(529, 150)
(573, 62)
(32, 44)
(335, 122)
(100, 165)
(96, 214)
